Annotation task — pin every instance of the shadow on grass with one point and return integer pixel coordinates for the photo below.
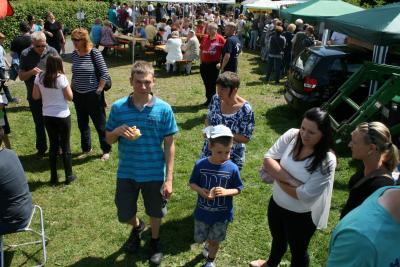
(16, 109)
(191, 123)
(187, 109)
(172, 243)
(32, 163)
(282, 118)
(10, 254)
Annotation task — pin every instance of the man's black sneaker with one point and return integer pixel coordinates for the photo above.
(133, 242)
(155, 251)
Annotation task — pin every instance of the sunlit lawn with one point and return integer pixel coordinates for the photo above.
(80, 219)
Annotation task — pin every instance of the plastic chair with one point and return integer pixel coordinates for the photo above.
(43, 239)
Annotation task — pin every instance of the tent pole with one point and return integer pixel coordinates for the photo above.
(133, 32)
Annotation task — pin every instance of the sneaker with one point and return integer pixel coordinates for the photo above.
(205, 250)
(259, 263)
(70, 179)
(15, 100)
(209, 264)
(105, 157)
(85, 154)
(40, 154)
(156, 255)
(133, 242)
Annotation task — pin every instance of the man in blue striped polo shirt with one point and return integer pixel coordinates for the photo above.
(145, 163)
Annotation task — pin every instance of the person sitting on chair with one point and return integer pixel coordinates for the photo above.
(15, 198)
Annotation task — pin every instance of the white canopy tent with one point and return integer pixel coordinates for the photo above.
(196, 1)
(268, 5)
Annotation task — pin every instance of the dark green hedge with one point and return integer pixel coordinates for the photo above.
(64, 11)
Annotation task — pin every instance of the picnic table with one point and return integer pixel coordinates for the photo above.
(129, 38)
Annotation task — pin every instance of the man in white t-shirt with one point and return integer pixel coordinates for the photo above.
(337, 38)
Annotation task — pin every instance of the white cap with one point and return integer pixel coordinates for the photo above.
(217, 131)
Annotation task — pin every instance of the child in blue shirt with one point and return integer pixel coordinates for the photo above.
(216, 179)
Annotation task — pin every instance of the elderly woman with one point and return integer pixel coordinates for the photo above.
(233, 111)
(89, 75)
(302, 164)
(54, 33)
(107, 36)
(372, 143)
(174, 51)
(191, 49)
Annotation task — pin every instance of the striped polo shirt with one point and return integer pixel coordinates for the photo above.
(142, 159)
(84, 78)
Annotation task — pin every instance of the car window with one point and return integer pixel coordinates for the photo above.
(306, 62)
(354, 62)
(336, 66)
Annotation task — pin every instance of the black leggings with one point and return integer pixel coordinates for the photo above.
(59, 131)
(288, 227)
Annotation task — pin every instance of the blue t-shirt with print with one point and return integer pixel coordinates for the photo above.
(208, 175)
(142, 159)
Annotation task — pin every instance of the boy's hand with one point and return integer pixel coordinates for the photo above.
(204, 193)
(220, 191)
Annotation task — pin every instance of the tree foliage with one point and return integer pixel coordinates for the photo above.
(64, 11)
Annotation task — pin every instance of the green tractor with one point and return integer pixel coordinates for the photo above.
(354, 103)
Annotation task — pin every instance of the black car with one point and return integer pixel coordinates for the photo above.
(319, 71)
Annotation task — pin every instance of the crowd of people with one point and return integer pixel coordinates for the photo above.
(301, 163)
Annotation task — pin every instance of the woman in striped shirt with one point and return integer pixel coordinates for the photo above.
(89, 74)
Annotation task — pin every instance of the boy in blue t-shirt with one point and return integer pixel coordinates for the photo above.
(216, 179)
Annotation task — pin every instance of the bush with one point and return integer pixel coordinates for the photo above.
(64, 11)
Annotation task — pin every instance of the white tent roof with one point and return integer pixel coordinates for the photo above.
(265, 5)
(196, 1)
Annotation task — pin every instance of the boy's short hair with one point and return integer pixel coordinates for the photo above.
(2, 36)
(142, 67)
(222, 140)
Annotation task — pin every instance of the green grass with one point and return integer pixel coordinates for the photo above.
(81, 221)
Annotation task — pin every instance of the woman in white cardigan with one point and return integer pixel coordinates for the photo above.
(174, 51)
(302, 165)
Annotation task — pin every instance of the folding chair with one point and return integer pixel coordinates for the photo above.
(43, 239)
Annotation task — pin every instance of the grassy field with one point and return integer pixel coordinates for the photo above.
(80, 219)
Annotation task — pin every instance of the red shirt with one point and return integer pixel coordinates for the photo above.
(211, 50)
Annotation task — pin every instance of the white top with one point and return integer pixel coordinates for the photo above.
(338, 38)
(54, 103)
(173, 48)
(316, 191)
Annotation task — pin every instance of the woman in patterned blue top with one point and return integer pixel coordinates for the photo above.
(231, 110)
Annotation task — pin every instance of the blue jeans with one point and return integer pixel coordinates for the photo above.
(253, 39)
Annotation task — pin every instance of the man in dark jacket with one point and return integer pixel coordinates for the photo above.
(276, 46)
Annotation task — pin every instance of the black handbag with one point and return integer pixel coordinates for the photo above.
(108, 84)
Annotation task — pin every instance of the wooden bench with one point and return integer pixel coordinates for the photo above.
(181, 65)
(118, 49)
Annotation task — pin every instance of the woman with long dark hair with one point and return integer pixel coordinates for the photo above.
(53, 88)
(302, 165)
(370, 142)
